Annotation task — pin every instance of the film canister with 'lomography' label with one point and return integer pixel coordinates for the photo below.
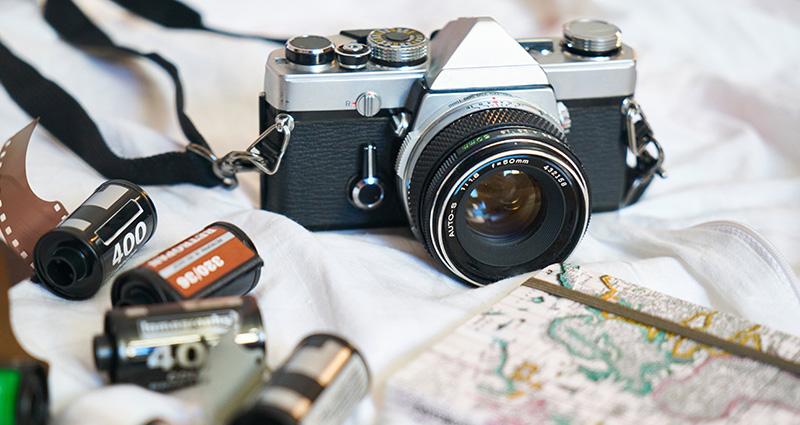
(163, 347)
(75, 258)
(219, 260)
(320, 384)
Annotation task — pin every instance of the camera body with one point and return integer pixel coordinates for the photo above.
(390, 136)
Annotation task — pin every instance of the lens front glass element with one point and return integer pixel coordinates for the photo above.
(504, 205)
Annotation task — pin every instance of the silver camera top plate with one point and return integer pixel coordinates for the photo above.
(469, 54)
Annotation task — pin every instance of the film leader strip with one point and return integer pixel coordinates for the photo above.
(24, 217)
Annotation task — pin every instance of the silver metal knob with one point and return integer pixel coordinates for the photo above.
(398, 46)
(367, 193)
(368, 104)
(592, 37)
(353, 55)
(309, 50)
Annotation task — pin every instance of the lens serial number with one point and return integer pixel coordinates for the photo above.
(556, 175)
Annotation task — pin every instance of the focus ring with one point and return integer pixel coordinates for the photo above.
(442, 146)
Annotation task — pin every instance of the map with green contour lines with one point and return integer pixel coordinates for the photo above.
(533, 358)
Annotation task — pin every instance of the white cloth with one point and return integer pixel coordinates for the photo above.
(717, 79)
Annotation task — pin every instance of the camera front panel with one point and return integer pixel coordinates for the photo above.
(324, 155)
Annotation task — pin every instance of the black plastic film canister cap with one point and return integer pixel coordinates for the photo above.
(128, 291)
(66, 266)
(103, 348)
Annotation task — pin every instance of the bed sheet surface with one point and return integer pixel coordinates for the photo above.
(718, 80)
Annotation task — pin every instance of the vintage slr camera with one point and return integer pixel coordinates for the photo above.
(471, 126)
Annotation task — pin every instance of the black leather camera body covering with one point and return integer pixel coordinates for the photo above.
(324, 154)
(598, 138)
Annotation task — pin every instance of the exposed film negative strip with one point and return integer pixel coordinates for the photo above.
(24, 217)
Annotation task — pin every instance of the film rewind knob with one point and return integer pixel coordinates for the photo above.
(309, 50)
(367, 192)
(591, 37)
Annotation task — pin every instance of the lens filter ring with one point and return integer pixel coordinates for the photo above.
(534, 191)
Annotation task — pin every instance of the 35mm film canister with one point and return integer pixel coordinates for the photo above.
(23, 392)
(220, 260)
(163, 347)
(23, 379)
(320, 384)
(75, 258)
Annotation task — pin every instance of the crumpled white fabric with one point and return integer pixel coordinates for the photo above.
(717, 79)
(733, 268)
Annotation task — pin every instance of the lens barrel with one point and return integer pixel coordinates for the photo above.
(498, 193)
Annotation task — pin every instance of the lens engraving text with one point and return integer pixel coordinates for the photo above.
(553, 172)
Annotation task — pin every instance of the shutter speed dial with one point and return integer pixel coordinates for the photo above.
(398, 46)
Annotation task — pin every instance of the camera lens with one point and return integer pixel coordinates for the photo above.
(504, 205)
(493, 190)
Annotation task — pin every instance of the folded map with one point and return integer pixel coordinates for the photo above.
(534, 358)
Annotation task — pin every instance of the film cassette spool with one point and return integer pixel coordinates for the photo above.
(321, 383)
(164, 347)
(75, 258)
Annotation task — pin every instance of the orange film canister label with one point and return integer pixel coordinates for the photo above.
(219, 260)
(199, 260)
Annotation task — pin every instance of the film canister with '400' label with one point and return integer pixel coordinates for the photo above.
(75, 258)
(219, 260)
(163, 347)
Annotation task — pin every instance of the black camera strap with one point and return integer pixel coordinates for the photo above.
(66, 120)
(174, 14)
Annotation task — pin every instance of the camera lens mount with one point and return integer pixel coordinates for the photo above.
(497, 193)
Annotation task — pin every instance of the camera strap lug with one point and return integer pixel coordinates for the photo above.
(259, 156)
(401, 122)
(640, 143)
